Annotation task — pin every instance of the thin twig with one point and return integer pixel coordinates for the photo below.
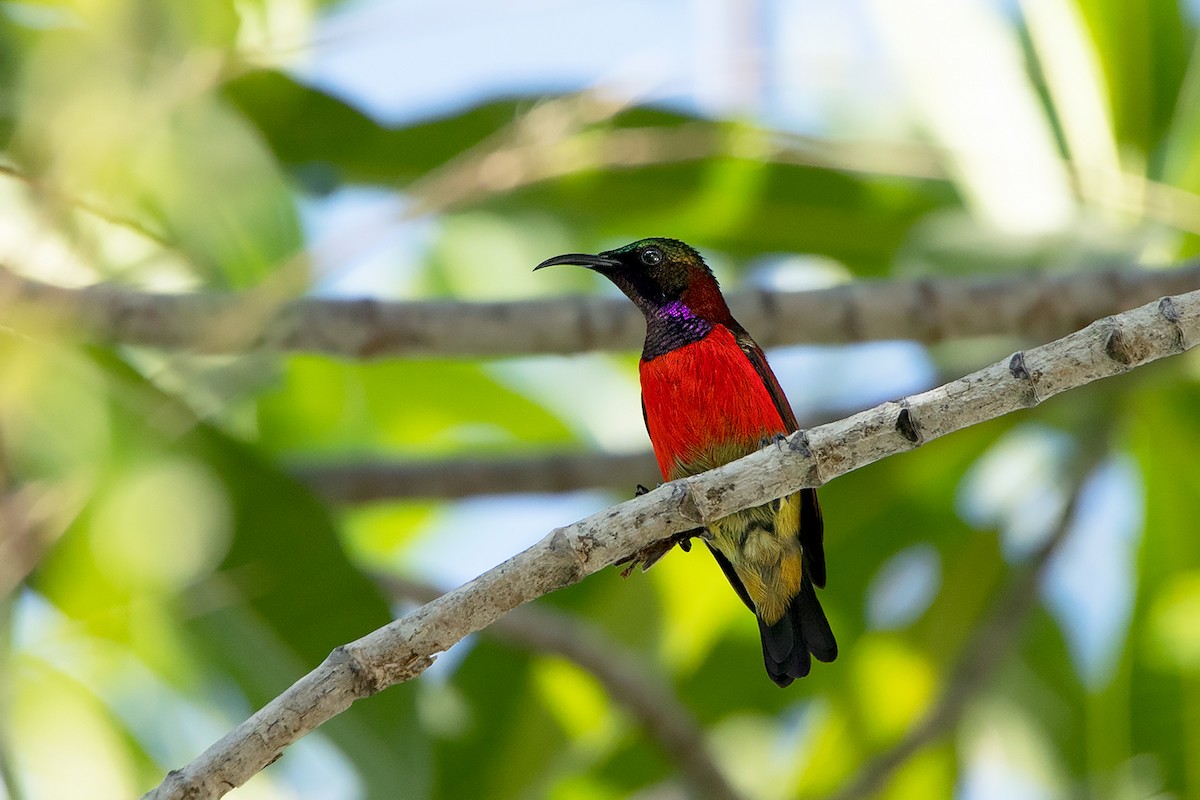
(628, 680)
(404, 648)
(88, 207)
(1038, 307)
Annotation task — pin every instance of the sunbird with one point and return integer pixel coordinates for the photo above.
(709, 397)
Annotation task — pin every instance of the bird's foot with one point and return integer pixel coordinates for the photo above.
(649, 555)
(778, 440)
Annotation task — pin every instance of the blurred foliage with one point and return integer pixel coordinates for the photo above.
(177, 578)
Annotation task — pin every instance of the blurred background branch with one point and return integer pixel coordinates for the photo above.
(1029, 306)
(373, 480)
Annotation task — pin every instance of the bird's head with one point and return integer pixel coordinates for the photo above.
(656, 274)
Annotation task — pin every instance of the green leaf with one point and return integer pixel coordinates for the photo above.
(1144, 52)
(326, 141)
(281, 599)
(408, 407)
(511, 742)
(783, 209)
(1164, 704)
(219, 195)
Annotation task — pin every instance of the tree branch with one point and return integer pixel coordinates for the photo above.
(371, 481)
(623, 675)
(931, 310)
(405, 647)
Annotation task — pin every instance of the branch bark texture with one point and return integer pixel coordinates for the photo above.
(932, 310)
(404, 648)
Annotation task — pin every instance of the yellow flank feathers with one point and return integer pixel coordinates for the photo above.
(762, 545)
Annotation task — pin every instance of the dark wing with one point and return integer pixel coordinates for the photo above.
(812, 536)
(812, 526)
(755, 354)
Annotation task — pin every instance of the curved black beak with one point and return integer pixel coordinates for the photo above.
(581, 260)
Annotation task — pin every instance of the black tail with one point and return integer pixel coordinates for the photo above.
(800, 635)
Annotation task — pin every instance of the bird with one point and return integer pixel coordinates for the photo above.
(709, 397)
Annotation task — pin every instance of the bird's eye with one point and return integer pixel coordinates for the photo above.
(651, 256)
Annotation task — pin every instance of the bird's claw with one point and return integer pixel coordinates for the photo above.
(649, 555)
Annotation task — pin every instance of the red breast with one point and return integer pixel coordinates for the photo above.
(705, 396)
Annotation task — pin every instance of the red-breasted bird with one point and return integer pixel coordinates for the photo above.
(708, 398)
